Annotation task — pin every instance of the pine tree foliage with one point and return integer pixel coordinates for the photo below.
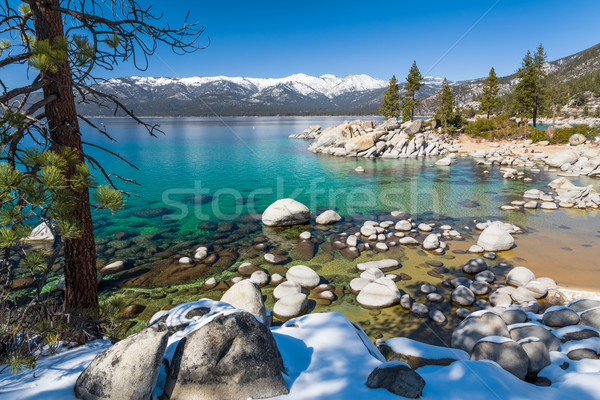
(390, 106)
(490, 99)
(46, 170)
(446, 114)
(413, 84)
(529, 93)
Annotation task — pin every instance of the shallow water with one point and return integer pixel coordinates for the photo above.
(205, 179)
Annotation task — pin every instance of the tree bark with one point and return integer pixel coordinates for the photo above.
(81, 288)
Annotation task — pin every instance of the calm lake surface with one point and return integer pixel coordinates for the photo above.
(203, 181)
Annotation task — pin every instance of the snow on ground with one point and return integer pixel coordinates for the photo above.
(409, 347)
(328, 357)
(53, 377)
(572, 294)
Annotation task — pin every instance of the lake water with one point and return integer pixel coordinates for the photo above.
(205, 181)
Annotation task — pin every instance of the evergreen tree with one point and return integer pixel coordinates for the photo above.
(413, 84)
(530, 91)
(445, 113)
(65, 43)
(390, 106)
(490, 100)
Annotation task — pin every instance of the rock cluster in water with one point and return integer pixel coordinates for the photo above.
(388, 139)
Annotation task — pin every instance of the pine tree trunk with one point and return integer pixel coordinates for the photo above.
(81, 289)
(535, 111)
(412, 107)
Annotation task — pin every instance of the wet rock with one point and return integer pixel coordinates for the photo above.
(438, 317)
(379, 294)
(384, 265)
(419, 309)
(305, 250)
(397, 378)
(131, 311)
(140, 355)
(431, 242)
(209, 284)
(495, 238)
(407, 240)
(434, 297)
(427, 288)
(246, 295)
(406, 301)
(519, 276)
(290, 306)
(231, 357)
(357, 284)
(260, 277)
(286, 212)
(246, 269)
(305, 235)
(480, 288)
(475, 266)
(328, 217)
(113, 267)
(276, 259)
(304, 276)
(276, 279)
(403, 225)
(463, 296)
(285, 289)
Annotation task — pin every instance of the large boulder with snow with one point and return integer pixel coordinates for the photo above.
(417, 354)
(559, 317)
(246, 295)
(398, 378)
(233, 356)
(127, 370)
(381, 293)
(504, 351)
(476, 326)
(528, 329)
(286, 212)
(495, 238)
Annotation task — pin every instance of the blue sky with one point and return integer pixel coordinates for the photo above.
(379, 38)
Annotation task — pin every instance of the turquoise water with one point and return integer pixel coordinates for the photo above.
(218, 169)
(206, 182)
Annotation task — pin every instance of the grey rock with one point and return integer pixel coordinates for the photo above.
(463, 296)
(398, 378)
(127, 370)
(475, 266)
(514, 315)
(328, 217)
(438, 317)
(419, 309)
(231, 357)
(480, 288)
(522, 331)
(559, 317)
(507, 353)
(478, 325)
(583, 304)
(406, 301)
(246, 295)
(286, 212)
(519, 276)
(591, 318)
(537, 354)
(485, 276)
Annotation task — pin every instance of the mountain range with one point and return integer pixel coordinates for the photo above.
(299, 94)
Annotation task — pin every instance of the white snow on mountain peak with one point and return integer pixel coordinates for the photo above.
(327, 85)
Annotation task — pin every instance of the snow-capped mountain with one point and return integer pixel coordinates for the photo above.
(297, 94)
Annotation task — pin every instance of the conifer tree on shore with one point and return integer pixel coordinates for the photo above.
(390, 106)
(413, 84)
(529, 94)
(490, 100)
